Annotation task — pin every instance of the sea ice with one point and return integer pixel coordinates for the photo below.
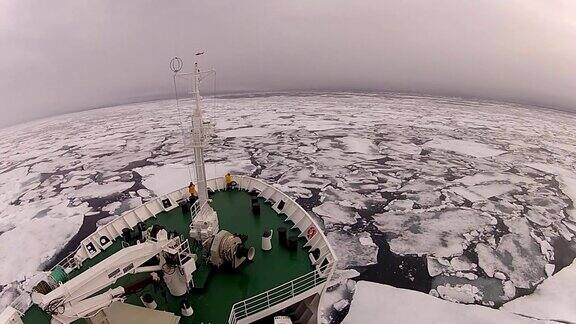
(479, 150)
(372, 302)
(437, 233)
(552, 300)
(350, 250)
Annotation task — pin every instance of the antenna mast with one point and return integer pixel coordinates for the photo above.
(200, 130)
(199, 136)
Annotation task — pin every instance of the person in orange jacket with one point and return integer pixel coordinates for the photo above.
(192, 191)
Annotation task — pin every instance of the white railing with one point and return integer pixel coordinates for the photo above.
(279, 294)
(184, 253)
(195, 209)
(69, 263)
(21, 303)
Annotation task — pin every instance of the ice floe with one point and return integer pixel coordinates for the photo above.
(464, 147)
(552, 300)
(377, 303)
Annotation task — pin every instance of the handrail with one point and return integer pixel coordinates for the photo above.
(69, 263)
(279, 294)
(21, 303)
(195, 209)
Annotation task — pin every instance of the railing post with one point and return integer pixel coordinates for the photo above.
(245, 310)
(268, 299)
(292, 286)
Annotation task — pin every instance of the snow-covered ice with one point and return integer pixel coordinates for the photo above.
(377, 303)
(464, 147)
(552, 300)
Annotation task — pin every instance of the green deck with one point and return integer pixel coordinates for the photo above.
(222, 288)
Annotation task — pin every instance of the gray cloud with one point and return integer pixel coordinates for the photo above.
(71, 55)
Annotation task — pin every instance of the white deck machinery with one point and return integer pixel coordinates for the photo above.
(84, 297)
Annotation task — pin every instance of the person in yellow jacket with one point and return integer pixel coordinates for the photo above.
(230, 183)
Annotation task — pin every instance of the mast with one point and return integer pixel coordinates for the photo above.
(204, 224)
(199, 132)
(198, 139)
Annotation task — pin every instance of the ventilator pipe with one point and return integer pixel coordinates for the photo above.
(185, 309)
(148, 301)
(267, 240)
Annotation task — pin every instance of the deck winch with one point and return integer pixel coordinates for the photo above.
(228, 248)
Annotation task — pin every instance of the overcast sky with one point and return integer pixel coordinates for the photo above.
(66, 55)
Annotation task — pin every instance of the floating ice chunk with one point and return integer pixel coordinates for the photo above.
(111, 208)
(373, 302)
(54, 219)
(563, 230)
(549, 268)
(482, 192)
(366, 241)
(466, 193)
(566, 178)
(426, 198)
(321, 125)
(350, 251)
(337, 291)
(509, 290)
(434, 233)
(95, 190)
(538, 218)
(423, 185)
(15, 183)
(114, 178)
(402, 205)
(464, 147)
(307, 149)
(516, 255)
(466, 293)
(76, 181)
(143, 193)
(358, 145)
(571, 226)
(552, 300)
(481, 178)
(369, 186)
(341, 304)
(245, 132)
(499, 275)
(341, 276)
(333, 213)
(405, 148)
(351, 286)
(461, 263)
(467, 275)
(434, 266)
